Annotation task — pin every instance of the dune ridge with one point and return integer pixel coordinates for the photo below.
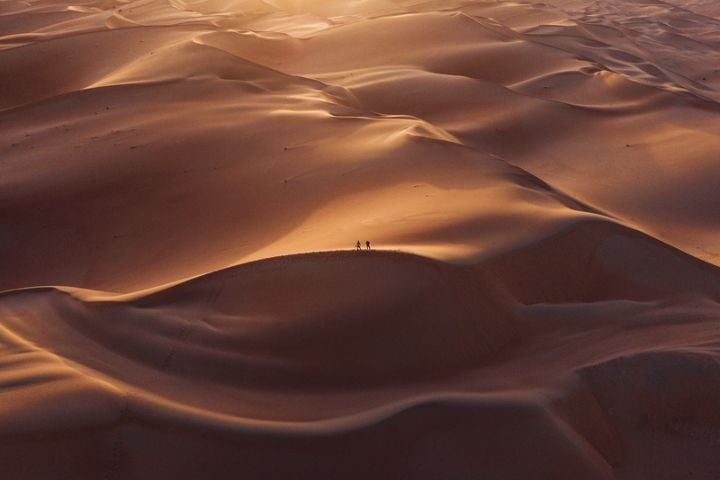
(182, 184)
(446, 357)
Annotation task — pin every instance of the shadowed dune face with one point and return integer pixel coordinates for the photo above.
(179, 179)
(378, 363)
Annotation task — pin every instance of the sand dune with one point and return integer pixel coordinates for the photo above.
(456, 361)
(182, 183)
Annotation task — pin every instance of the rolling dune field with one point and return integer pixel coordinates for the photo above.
(182, 184)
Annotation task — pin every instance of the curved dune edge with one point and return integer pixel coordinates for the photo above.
(451, 355)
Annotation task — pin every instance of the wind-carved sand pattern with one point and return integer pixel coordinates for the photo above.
(182, 184)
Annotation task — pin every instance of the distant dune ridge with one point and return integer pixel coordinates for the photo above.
(182, 183)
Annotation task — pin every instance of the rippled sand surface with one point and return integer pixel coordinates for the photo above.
(182, 184)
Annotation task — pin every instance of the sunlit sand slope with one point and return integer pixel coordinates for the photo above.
(147, 142)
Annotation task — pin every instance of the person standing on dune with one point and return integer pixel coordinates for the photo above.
(367, 245)
(357, 246)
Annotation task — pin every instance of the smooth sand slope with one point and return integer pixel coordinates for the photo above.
(181, 184)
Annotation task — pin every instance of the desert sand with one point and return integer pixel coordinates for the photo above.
(182, 183)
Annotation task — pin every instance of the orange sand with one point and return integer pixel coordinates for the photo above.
(182, 183)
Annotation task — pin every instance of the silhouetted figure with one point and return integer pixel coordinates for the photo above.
(358, 247)
(367, 245)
